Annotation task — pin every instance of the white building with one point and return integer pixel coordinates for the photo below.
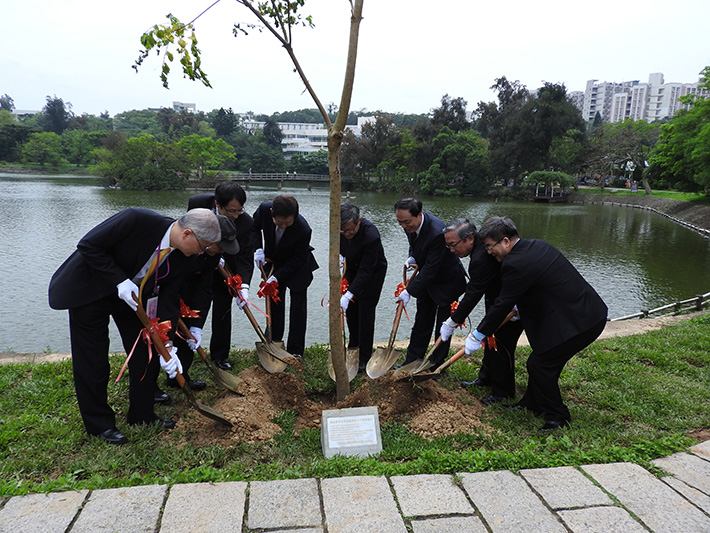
(303, 137)
(651, 101)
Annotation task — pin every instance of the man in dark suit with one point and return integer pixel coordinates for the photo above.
(561, 313)
(196, 292)
(228, 200)
(365, 270)
(498, 366)
(281, 235)
(133, 248)
(440, 281)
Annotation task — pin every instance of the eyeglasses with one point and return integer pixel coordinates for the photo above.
(350, 231)
(203, 248)
(452, 245)
(234, 212)
(489, 247)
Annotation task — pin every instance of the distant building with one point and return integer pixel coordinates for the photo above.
(616, 102)
(302, 137)
(180, 106)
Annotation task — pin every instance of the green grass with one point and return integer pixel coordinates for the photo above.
(696, 198)
(632, 399)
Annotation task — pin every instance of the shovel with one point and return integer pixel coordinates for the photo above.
(271, 356)
(163, 351)
(227, 380)
(382, 359)
(418, 365)
(352, 356)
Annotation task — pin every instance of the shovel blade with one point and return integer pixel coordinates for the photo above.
(352, 362)
(415, 366)
(269, 359)
(227, 380)
(205, 410)
(382, 360)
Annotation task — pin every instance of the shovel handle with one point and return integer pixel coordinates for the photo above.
(186, 332)
(400, 307)
(155, 337)
(458, 355)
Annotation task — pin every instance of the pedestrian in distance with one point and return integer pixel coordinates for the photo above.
(136, 252)
(561, 312)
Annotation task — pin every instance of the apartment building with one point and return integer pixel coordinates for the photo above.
(650, 101)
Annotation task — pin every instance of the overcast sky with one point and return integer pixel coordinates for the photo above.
(411, 52)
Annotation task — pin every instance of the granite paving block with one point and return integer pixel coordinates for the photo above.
(702, 449)
(299, 530)
(41, 513)
(430, 494)
(657, 505)
(694, 495)
(688, 468)
(205, 508)
(451, 524)
(508, 505)
(565, 487)
(131, 509)
(601, 520)
(284, 503)
(360, 504)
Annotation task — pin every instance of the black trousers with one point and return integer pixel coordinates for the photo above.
(543, 393)
(361, 323)
(428, 319)
(222, 300)
(88, 327)
(297, 317)
(498, 366)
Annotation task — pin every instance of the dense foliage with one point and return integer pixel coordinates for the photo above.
(446, 152)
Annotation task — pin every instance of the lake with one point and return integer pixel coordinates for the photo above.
(634, 258)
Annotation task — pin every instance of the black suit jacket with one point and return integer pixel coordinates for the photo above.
(113, 251)
(554, 301)
(242, 262)
(365, 263)
(293, 257)
(441, 274)
(484, 280)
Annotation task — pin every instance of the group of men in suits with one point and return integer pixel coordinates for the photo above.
(140, 256)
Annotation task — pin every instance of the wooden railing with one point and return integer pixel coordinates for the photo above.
(691, 304)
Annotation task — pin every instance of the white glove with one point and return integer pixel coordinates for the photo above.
(447, 329)
(409, 262)
(517, 314)
(345, 300)
(197, 333)
(125, 292)
(173, 366)
(244, 293)
(272, 279)
(403, 297)
(221, 262)
(472, 344)
(259, 257)
(341, 259)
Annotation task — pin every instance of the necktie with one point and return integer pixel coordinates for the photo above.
(156, 261)
(277, 236)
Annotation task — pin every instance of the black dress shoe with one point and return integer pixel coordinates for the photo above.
(223, 364)
(167, 423)
(113, 436)
(492, 399)
(478, 382)
(194, 384)
(552, 425)
(161, 397)
(513, 406)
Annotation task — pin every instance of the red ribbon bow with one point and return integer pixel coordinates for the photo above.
(344, 286)
(401, 287)
(490, 342)
(161, 328)
(269, 289)
(454, 307)
(234, 283)
(186, 312)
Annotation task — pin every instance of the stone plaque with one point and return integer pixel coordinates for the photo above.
(354, 431)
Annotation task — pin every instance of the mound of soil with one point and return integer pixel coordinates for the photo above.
(426, 408)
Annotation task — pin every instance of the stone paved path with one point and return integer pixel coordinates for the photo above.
(610, 498)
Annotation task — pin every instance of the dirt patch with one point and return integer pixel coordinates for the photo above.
(426, 408)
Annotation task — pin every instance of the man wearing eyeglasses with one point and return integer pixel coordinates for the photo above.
(228, 200)
(440, 281)
(561, 313)
(133, 253)
(365, 269)
(498, 365)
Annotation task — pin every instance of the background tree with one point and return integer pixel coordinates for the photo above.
(279, 18)
(44, 148)
(311, 163)
(204, 153)
(272, 133)
(224, 122)
(56, 115)
(7, 103)
(452, 114)
(12, 137)
(78, 145)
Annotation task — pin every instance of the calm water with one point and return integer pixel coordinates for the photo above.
(633, 258)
